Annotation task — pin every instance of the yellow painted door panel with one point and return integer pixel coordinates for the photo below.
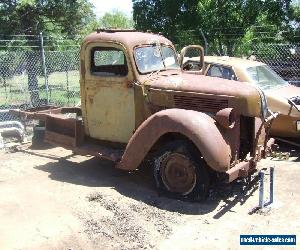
(110, 112)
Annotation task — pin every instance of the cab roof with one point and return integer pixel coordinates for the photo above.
(232, 61)
(129, 38)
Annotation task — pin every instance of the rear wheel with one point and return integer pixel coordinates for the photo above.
(180, 172)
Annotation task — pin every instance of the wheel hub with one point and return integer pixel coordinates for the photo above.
(178, 174)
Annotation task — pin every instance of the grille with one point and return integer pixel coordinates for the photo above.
(200, 103)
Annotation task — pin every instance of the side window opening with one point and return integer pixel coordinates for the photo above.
(106, 61)
(222, 72)
(214, 71)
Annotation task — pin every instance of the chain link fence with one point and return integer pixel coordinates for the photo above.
(24, 84)
(282, 58)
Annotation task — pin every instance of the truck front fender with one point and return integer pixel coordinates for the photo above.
(198, 127)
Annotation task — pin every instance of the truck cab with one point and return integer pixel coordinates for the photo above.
(138, 102)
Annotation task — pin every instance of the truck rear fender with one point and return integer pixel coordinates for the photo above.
(198, 127)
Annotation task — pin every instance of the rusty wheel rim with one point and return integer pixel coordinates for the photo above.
(178, 174)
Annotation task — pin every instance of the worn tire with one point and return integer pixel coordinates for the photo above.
(180, 172)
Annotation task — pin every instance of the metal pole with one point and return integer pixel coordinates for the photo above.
(205, 42)
(68, 91)
(261, 189)
(271, 184)
(44, 66)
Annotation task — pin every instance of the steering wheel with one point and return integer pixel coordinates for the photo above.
(191, 65)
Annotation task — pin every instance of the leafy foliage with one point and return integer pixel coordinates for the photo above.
(229, 26)
(30, 17)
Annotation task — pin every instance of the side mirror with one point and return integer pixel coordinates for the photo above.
(192, 59)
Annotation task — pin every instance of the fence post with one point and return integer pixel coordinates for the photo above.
(261, 189)
(44, 66)
(205, 42)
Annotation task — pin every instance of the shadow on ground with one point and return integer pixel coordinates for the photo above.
(139, 185)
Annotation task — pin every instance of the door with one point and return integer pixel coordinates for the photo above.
(109, 96)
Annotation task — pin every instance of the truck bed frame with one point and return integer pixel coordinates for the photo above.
(62, 129)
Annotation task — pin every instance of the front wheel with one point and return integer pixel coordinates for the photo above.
(180, 172)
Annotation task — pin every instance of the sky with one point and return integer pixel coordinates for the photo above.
(102, 6)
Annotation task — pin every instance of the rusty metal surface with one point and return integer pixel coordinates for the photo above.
(178, 173)
(200, 103)
(226, 117)
(34, 114)
(176, 80)
(41, 112)
(249, 99)
(240, 170)
(128, 39)
(229, 125)
(198, 127)
(63, 131)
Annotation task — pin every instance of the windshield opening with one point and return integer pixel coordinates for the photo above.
(154, 58)
(265, 77)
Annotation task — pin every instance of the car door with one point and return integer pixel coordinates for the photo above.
(109, 98)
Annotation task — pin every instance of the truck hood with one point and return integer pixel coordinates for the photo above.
(201, 84)
(246, 97)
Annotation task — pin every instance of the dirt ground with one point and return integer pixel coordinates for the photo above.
(52, 199)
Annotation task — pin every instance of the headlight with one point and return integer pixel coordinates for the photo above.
(298, 126)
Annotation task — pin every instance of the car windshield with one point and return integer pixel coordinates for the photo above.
(154, 58)
(265, 77)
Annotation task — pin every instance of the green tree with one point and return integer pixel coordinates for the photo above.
(29, 17)
(116, 19)
(226, 24)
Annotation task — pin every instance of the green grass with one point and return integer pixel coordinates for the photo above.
(63, 89)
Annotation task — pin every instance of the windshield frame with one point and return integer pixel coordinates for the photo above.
(266, 87)
(161, 55)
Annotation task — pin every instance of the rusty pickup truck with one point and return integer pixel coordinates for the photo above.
(138, 103)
